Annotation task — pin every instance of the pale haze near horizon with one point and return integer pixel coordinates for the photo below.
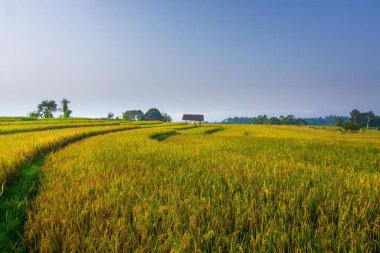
(218, 58)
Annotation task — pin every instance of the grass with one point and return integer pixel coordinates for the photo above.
(163, 136)
(13, 206)
(214, 130)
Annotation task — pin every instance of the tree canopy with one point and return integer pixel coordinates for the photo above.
(133, 115)
(110, 115)
(357, 118)
(65, 108)
(153, 113)
(264, 119)
(46, 108)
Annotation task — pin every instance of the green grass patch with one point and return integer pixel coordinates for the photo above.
(164, 135)
(214, 130)
(14, 204)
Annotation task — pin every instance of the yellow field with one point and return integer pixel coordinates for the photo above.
(9, 129)
(17, 149)
(234, 188)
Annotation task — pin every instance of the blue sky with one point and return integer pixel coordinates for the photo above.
(219, 58)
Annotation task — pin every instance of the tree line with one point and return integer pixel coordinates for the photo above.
(354, 121)
(264, 119)
(136, 114)
(331, 120)
(365, 119)
(47, 108)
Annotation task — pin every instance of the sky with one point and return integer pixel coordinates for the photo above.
(217, 58)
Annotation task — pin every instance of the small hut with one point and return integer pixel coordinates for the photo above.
(193, 117)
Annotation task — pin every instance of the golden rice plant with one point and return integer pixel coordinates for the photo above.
(243, 189)
(18, 128)
(17, 149)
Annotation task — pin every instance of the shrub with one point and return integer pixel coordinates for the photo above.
(350, 126)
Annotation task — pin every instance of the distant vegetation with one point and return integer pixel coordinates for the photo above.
(355, 121)
(151, 114)
(331, 120)
(264, 119)
(47, 108)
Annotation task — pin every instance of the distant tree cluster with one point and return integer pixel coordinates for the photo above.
(47, 108)
(264, 119)
(354, 122)
(151, 114)
(282, 120)
(331, 120)
(133, 115)
(365, 119)
(238, 120)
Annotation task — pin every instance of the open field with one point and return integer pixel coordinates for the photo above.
(171, 187)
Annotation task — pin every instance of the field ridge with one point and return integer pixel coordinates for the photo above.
(52, 127)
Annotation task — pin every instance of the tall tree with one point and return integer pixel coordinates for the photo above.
(166, 117)
(354, 115)
(274, 121)
(338, 121)
(126, 116)
(139, 115)
(47, 108)
(135, 114)
(153, 113)
(65, 108)
(369, 116)
(110, 115)
(300, 121)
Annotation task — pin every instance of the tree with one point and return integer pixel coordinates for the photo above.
(274, 121)
(265, 119)
(139, 115)
(351, 126)
(361, 119)
(369, 116)
(126, 116)
(110, 115)
(47, 108)
(65, 108)
(153, 113)
(34, 114)
(239, 120)
(135, 114)
(376, 122)
(354, 115)
(166, 117)
(300, 121)
(288, 120)
(261, 119)
(338, 121)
